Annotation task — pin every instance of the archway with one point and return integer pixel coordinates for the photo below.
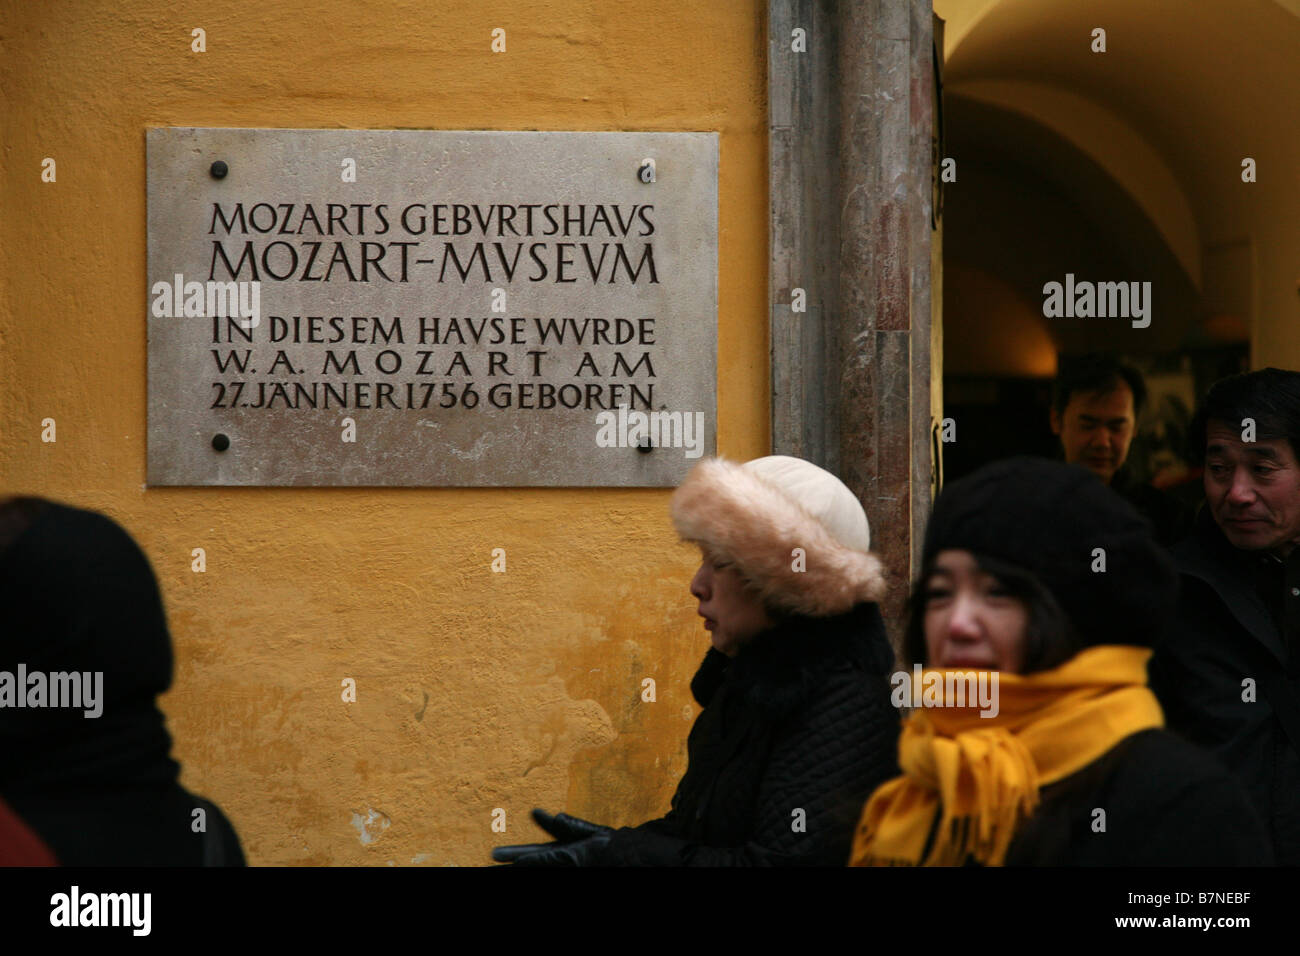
(1124, 165)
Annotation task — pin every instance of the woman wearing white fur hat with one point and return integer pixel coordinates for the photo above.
(797, 727)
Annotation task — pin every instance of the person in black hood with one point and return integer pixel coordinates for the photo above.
(85, 756)
(797, 726)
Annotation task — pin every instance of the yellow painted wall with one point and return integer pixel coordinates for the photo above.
(475, 690)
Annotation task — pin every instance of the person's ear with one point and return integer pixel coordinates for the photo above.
(1055, 418)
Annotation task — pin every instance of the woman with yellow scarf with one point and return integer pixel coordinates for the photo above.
(1043, 589)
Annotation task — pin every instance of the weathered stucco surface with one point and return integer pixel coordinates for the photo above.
(475, 690)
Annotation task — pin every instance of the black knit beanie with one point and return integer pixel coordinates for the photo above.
(1047, 518)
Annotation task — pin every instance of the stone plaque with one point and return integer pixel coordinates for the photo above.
(407, 307)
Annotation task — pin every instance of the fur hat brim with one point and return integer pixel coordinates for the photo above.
(737, 517)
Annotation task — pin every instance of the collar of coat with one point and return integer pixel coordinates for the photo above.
(784, 667)
(1209, 557)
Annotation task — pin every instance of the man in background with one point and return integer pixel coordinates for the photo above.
(1096, 401)
(1228, 673)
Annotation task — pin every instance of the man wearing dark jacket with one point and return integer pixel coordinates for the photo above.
(1096, 404)
(1228, 676)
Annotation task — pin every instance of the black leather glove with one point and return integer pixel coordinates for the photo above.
(578, 842)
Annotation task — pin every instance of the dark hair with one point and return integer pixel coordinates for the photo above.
(1050, 640)
(17, 513)
(1271, 396)
(1096, 372)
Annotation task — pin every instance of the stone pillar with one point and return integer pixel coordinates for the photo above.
(851, 123)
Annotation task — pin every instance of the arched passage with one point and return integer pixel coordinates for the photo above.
(1117, 166)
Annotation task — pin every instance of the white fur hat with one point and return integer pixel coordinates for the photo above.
(755, 515)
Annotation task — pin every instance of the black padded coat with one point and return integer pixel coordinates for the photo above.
(796, 732)
(1164, 803)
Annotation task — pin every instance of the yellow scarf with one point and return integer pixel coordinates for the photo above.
(982, 774)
